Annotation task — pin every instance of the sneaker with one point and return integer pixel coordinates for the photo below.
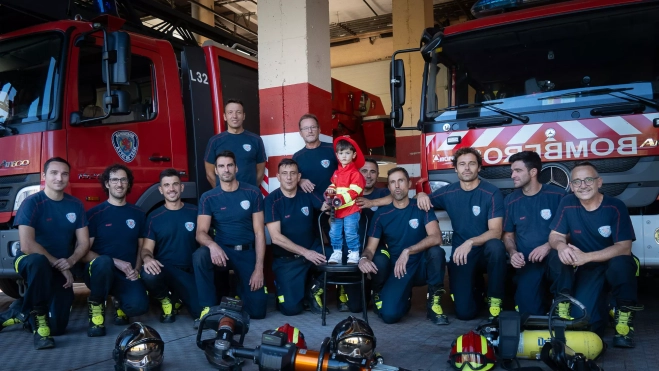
(434, 311)
(563, 311)
(96, 325)
(353, 257)
(624, 322)
(203, 313)
(494, 305)
(342, 303)
(377, 303)
(120, 318)
(42, 338)
(336, 258)
(316, 299)
(12, 316)
(167, 315)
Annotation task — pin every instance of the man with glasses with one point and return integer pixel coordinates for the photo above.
(317, 160)
(245, 145)
(116, 231)
(598, 254)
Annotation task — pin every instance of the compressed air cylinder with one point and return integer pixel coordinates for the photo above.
(584, 342)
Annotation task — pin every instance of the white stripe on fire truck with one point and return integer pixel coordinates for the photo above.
(286, 144)
(487, 137)
(524, 134)
(620, 126)
(577, 129)
(429, 139)
(651, 116)
(447, 147)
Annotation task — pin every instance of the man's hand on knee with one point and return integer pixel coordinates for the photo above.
(218, 256)
(152, 266)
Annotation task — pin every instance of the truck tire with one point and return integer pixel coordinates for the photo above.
(9, 287)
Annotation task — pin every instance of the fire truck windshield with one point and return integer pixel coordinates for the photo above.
(561, 68)
(30, 72)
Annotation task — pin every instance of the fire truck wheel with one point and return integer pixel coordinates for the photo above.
(9, 287)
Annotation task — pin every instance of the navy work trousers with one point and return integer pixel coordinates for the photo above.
(179, 280)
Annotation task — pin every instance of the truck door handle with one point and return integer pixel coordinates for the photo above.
(159, 159)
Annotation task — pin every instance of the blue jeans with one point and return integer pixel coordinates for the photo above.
(349, 225)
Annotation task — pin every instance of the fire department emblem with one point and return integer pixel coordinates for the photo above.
(545, 214)
(130, 223)
(71, 217)
(604, 230)
(244, 204)
(247, 147)
(305, 211)
(189, 226)
(414, 223)
(476, 210)
(325, 163)
(125, 142)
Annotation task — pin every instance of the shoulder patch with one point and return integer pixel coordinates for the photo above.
(189, 226)
(130, 223)
(545, 214)
(71, 217)
(604, 230)
(414, 223)
(245, 204)
(476, 210)
(247, 147)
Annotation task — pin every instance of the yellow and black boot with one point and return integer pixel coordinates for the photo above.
(120, 318)
(377, 302)
(167, 315)
(42, 338)
(434, 311)
(204, 312)
(563, 311)
(96, 325)
(316, 299)
(624, 326)
(343, 300)
(12, 316)
(494, 307)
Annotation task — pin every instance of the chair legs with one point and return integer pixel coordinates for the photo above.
(364, 309)
(324, 312)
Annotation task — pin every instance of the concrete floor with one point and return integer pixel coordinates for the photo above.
(413, 343)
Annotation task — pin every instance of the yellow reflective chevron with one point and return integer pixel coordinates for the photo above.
(17, 261)
(458, 345)
(356, 188)
(296, 335)
(281, 298)
(90, 267)
(385, 252)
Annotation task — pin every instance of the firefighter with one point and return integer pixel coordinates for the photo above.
(116, 231)
(290, 219)
(168, 247)
(413, 258)
(50, 223)
(476, 212)
(317, 160)
(601, 235)
(246, 146)
(529, 210)
(235, 211)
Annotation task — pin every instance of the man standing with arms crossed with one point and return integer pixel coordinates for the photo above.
(246, 146)
(116, 230)
(476, 211)
(171, 231)
(49, 223)
(235, 211)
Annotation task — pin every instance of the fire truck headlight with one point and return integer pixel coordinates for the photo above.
(25, 193)
(15, 248)
(435, 185)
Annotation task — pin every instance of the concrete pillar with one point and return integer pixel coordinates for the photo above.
(410, 18)
(294, 75)
(203, 15)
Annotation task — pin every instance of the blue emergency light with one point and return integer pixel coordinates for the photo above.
(108, 7)
(488, 7)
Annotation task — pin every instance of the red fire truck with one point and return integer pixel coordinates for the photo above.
(165, 107)
(571, 80)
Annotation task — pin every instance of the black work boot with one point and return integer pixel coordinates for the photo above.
(120, 318)
(316, 299)
(96, 325)
(377, 303)
(42, 338)
(624, 326)
(342, 303)
(434, 311)
(12, 316)
(167, 315)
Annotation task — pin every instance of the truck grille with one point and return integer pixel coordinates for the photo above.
(13, 179)
(612, 165)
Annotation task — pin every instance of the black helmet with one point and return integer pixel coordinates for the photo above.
(138, 348)
(353, 341)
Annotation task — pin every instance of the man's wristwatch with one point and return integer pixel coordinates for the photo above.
(363, 257)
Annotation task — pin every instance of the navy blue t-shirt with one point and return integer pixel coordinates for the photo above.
(401, 228)
(593, 230)
(174, 232)
(116, 230)
(248, 148)
(232, 213)
(469, 211)
(374, 195)
(317, 165)
(296, 218)
(529, 216)
(54, 222)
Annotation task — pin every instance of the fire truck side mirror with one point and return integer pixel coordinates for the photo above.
(119, 57)
(397, 92)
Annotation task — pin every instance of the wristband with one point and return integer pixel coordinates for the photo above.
(363, 257)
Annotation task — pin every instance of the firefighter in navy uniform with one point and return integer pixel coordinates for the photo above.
(476, 211)
(235, 211)
(290, 219)
(245, 145)
(601, 235)
(414, 255)
(529, 210)
(116, 231)
(317, 160)
(50, 223)
(168, 247)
